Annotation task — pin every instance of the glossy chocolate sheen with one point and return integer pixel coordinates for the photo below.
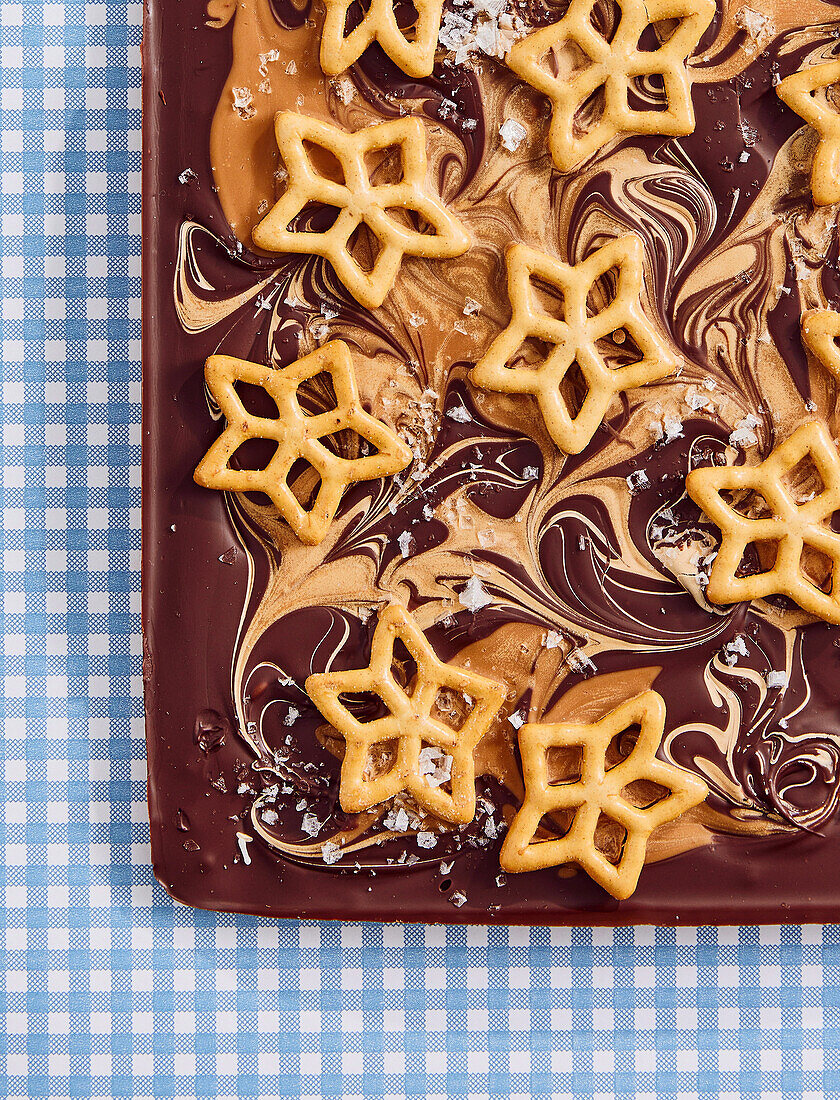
(236, 613)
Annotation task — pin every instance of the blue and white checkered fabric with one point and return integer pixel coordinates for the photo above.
(107, 987)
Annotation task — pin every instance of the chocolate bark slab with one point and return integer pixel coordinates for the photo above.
(734, 252)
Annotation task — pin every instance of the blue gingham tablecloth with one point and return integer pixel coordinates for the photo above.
(107, 987)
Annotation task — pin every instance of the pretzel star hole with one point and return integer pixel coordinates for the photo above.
(601, 77)
(298, 434)
(820, 333)
(573, 403)
(413, 53)
(403, 219)
(808, 94)
(779, 512)
(411, 748)
(606, 802)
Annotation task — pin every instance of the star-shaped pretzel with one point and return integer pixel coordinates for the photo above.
(799, 93)
(597, 790)
(408, 725)
(298, 435)
(585, 65)
(795, 527)
(574, 336)
(357, 201)
(820, 332)
(415, 55)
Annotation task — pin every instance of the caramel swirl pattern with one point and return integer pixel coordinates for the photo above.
(591, 568)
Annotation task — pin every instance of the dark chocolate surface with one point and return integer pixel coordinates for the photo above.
(234, 623)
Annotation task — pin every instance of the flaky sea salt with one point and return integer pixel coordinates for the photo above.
(637, 481)
(434, 765)
(474, 595)
(270, 817)
(578, 661)
(512, 134)
(404, 541)
(330, 852)
(553, 639)
(426, 840)
(459, 413)
(733, 649)
(471, 307)
(776, 679)
(243, 102)
(458, 898)
(310, 825)
(517, 720)
(187, 176)
(744, 436)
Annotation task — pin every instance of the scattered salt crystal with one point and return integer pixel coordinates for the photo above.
(512, 134)
(291, 68)
(471, 307)
(405, 540)
(426, 840)
(501, 879)
(516, 720)
(291, 716)
(531, 473)
(473, 595)
(486, 537)
(270, 817)
(553, 639)
(435, 766)
(491, 828)
(428, 512)
(578, 661)
(637, 481)
(673, 427)
(755, 23)
(243, 840)
(416, 320)
(243, 102)
(330, 852)
(445, 868)
(301, 805)
(310, 825)
(187, 176)
(743, 436)
(776, 679)
(344, 89)
(733, 649)
(459, 413)
(458, 898)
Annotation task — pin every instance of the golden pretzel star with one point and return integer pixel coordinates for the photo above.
(358, 201)
(820, 332)
(598, 790)
(415, 56)
(409, 726)
(575, 337)
(799, 93)
(794, 527)
(298, 435)
(584, 63)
